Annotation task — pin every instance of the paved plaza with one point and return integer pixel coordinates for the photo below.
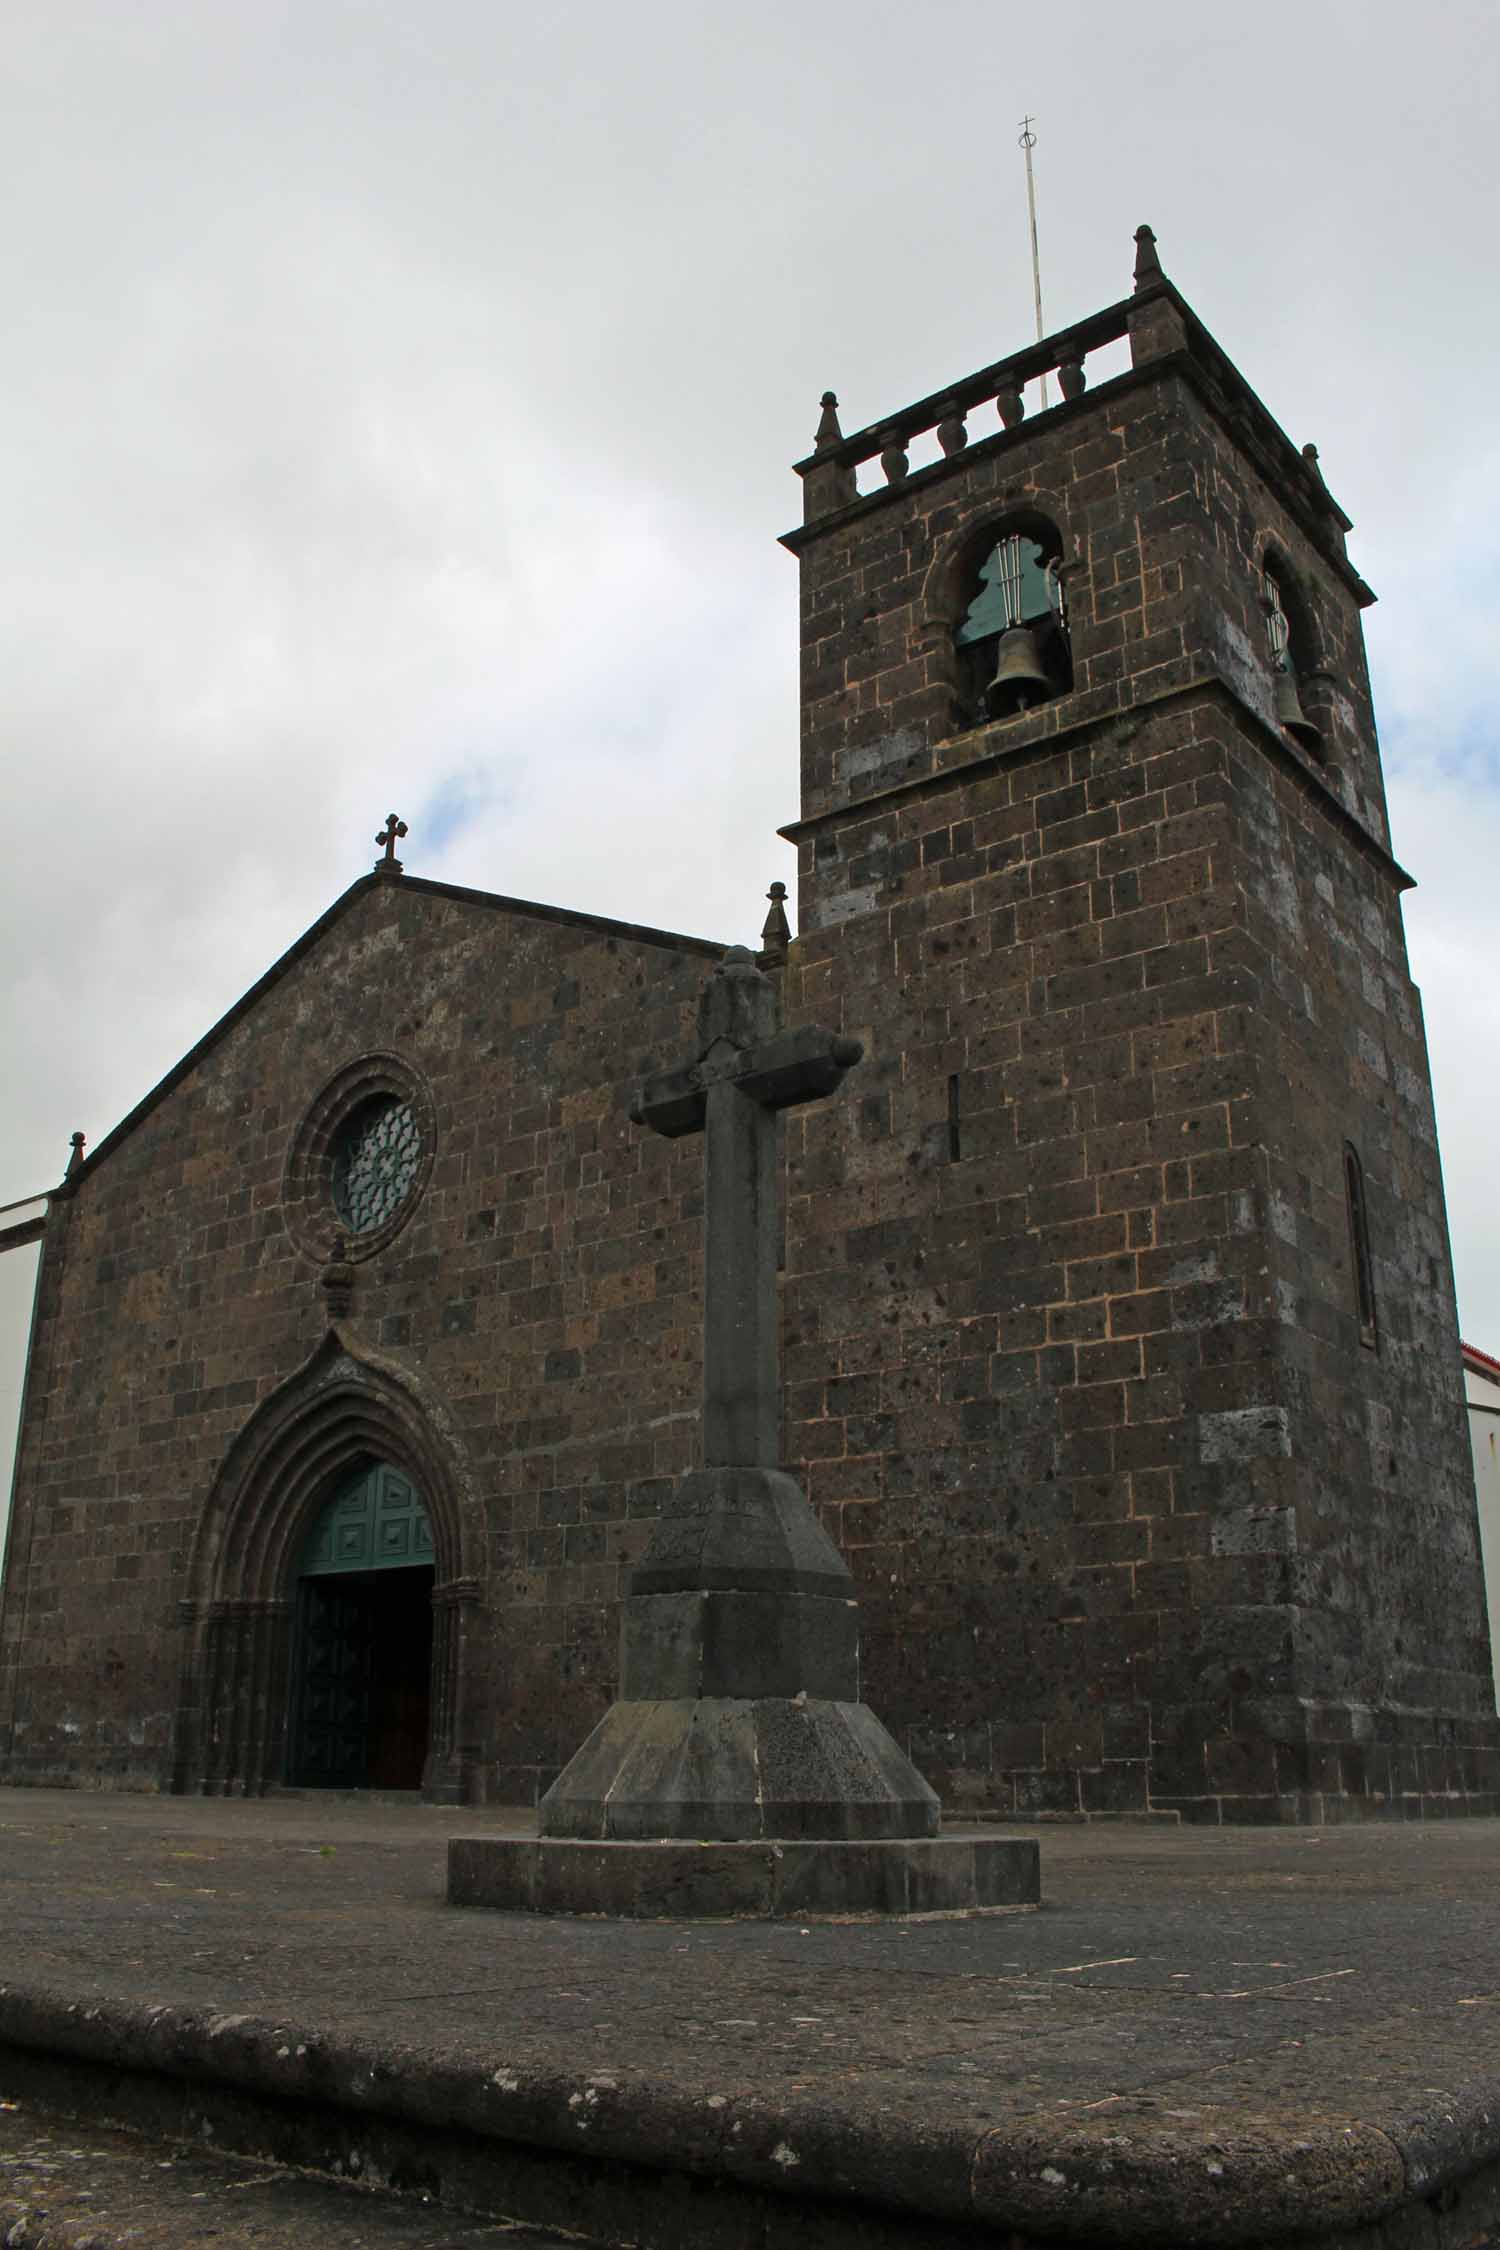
(1203, 2035)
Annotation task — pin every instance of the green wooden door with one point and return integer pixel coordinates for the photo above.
(374, 1522)
(363, 1638)
(332, 1733)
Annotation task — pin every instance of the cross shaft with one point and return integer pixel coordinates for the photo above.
(745, 1072)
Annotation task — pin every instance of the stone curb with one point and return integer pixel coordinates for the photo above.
(1131, 2176)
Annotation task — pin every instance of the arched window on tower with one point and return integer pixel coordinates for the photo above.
(1287, 637)
(1359, 1248)
(1012, 638)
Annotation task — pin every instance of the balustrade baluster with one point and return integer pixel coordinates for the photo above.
(893, 457)
(952, 434)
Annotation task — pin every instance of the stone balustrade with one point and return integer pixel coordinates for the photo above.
(1155, 321)
(830, 473)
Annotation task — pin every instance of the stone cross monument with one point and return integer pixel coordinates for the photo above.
(740, 1772)
(745, 1070)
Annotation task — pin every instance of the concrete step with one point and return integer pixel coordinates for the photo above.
(68, 2186)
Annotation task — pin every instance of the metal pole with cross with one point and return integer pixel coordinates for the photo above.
(1028, 143)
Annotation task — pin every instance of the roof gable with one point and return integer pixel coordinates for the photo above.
(636, 933)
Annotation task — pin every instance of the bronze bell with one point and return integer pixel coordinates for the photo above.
(1020, 675)
(1290, 716)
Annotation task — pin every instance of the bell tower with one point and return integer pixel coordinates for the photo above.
(1120, 1340)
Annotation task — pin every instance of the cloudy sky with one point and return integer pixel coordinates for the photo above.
(396, 404)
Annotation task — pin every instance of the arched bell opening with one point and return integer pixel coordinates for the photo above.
(273, 1509)
(1293, 651)
(1012, 640)
(361, 1688)
(996, 621)
(962, 649)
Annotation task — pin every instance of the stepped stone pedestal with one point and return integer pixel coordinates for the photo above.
(740, 1772)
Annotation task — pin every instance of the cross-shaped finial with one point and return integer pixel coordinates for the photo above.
(388, 839)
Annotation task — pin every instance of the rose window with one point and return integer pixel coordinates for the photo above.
(375, 1161)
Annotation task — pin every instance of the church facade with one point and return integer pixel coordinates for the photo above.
(1118, 1333)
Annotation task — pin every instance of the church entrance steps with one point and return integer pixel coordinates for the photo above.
(1257, 2037)
(71, 2186)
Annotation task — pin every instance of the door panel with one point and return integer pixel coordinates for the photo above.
(331, 1731)
(362, 1672)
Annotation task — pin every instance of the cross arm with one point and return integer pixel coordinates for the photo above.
(789, 1067)
(796, 1066)
(671, 1102)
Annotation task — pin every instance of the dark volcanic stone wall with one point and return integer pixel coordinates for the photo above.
(1073, 1352)
(1142, 1519)
(543, 1297)
(1373, 1500)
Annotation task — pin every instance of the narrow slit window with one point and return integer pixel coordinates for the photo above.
(954, 1150)
(1359, 1243)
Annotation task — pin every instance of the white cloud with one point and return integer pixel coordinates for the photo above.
(398, 403)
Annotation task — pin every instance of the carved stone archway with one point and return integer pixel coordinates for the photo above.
(347, 1404)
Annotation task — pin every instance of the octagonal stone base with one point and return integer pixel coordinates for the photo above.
(739, 1769)
(766, 1880)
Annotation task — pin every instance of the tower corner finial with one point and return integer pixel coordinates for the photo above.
(829, 432)
(1322, 497)
(75, 1154)
(1147, 263)
(776, 932)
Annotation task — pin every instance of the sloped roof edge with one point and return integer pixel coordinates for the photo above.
(1480, 1362)
(640, 932)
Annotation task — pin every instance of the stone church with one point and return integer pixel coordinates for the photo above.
(1118, 1332)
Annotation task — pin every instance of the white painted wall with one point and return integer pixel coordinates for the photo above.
(1483, 1394)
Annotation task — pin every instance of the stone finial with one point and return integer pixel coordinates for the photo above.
(388, 839)
(776, 932)
(1147, 263)
(75, 1155)
(1323, 498)
(337, 1282)
(829, 432)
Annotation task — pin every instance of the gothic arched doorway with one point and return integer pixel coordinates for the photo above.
(361, 1685)
(346, 1412)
